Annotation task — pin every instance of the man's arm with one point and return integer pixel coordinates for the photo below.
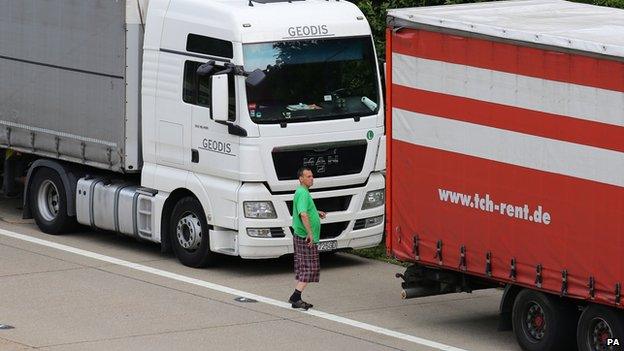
(306, 223)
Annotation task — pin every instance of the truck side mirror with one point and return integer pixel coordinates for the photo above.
(206, 69)
(220, 97)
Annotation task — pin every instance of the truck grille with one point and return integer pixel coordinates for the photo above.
(328, 204)
(325, 160)
(277, 232)
(330, 230)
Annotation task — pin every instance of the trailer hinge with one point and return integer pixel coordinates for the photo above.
(8, 135)
(415, 248)
(82, 151)
(618, 293)
(538, 276)
(564, 282)
(462, 258)
(488, 264)
(109, 156)
(57, 146)
(32, 141)
(512, 270)
(592, 287)
(438, 254)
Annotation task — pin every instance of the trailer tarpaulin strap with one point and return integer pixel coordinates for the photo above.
(389, 227)
(507, 153)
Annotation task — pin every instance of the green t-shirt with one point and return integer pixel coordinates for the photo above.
(303, 203)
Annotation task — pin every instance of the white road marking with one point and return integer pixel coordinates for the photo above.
(231, 291)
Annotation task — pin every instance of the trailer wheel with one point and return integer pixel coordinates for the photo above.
(48, 203)
(189, 233)
(541, 322)
(596, 326)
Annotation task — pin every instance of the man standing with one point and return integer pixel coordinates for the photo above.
(306, 233)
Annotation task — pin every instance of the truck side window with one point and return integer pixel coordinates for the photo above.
(209, 46)
(196, 89)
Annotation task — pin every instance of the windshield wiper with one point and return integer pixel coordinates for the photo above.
(284, 122)
(355, 115)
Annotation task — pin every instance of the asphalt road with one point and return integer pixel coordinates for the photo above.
(102, 291)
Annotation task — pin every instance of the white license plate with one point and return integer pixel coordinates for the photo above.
(327, 245)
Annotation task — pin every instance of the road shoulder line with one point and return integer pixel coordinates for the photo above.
(230, 291)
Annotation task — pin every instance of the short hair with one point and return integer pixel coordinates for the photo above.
(301, 170)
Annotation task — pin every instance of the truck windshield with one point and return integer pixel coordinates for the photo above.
(312, 80)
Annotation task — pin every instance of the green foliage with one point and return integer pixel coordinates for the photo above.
(608, 3)
(375, 12)
(378, 253)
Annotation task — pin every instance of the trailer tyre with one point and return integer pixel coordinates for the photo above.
(189, 234)
(541, 322)
(48, 202)
(596, 326)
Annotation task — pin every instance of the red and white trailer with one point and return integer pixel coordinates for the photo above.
(505, 162)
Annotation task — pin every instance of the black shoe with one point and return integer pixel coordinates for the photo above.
(300, 304)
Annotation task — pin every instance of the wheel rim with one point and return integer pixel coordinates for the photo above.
(189, 231)
(534, 325)
(48, 200)
(598, 332)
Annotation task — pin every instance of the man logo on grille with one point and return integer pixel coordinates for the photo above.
(333, 160)
(320, 163)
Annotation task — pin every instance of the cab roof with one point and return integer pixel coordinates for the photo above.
(269, 21)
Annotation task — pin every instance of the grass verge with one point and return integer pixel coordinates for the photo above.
(378, 253)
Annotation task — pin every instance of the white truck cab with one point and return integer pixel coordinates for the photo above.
(319, 105)
(235, 96)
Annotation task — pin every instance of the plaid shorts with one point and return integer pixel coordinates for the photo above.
(307, 266)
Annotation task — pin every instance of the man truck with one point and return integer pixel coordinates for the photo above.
(506, 162)
(184, 122)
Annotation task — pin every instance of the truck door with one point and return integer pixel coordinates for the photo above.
(214, 150)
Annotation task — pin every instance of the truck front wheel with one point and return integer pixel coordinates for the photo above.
(600, 328)
(542, 322)
(48, 202)
(189, 233)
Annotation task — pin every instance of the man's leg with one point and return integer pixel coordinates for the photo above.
(301, 285)
(300, 247)
(296, 300)
(296, 296)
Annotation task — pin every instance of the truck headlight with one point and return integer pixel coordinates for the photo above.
(259, 232)
(259, 209)
(373, 198)
(275, 232)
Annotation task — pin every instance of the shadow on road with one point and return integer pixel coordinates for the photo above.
(235, 265)
(10, 212)
(284, 264)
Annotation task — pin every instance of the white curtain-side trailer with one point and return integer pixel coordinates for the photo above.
(184, 122)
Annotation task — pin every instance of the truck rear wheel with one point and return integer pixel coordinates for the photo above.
(597, 325)
(48, 202)
(189, 233)
(541, 322)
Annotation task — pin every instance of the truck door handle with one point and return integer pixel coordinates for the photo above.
(194, 156)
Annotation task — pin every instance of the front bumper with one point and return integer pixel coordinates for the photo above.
(251, 247)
